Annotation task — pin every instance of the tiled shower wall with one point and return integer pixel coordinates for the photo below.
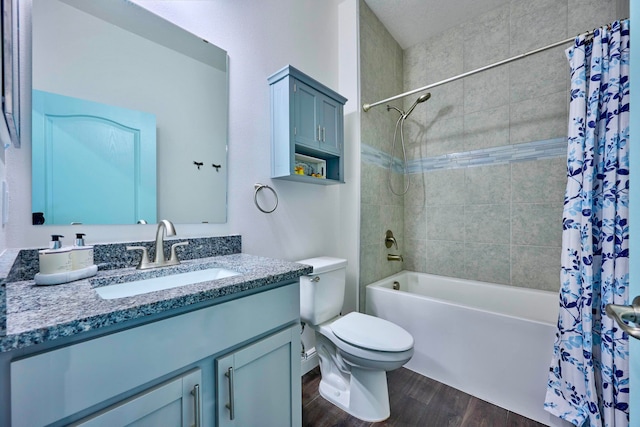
(500, 222)
(381, 62)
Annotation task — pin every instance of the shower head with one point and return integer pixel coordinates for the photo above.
(420, 99)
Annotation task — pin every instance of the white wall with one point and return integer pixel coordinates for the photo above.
(260, 38)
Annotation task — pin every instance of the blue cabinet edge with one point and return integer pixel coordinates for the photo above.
(289, 70)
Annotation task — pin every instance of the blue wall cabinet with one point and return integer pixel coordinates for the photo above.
(307, 129)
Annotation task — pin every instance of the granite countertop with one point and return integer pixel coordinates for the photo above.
(38, 314)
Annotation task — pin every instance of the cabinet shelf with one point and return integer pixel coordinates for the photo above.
(307, 121)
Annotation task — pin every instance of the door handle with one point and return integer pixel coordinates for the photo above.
(626, 313)
(196, 405)
(231, 405)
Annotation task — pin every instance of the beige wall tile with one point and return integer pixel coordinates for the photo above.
(539, 181)
(535, 267)
(486, 38)
(537, 119)
(486, 90)
(537, 24)
(486, 128)
(445, 258)
(446, 223)
(487, 263)
(488, 185)
(445, 187)
(487, 224)
(538, 224)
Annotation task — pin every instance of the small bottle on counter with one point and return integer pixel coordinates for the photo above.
(55, 259)
(81, 254)
(62, 265)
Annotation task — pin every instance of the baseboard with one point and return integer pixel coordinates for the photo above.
(309, 363)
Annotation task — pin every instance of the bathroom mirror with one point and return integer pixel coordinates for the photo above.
(9, 121)
(116, 54)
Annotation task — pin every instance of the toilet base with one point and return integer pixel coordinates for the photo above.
(366, 396)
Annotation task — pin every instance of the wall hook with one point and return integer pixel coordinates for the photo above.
(216, 166)
(198, 164)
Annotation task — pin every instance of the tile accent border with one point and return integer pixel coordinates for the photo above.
(506, 154)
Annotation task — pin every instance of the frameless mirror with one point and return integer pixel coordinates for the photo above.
(129, 117)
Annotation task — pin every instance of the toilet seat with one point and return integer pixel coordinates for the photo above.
(371, 333)
(359, 355)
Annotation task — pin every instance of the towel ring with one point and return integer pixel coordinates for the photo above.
(259, 187)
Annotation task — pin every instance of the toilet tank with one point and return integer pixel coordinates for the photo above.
(322, 292)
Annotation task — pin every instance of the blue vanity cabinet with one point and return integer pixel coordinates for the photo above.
(175, 403)
(307, 129)
(166, 370)
(256, 383)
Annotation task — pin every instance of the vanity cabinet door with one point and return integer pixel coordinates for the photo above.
(174, 403)
(259, 385)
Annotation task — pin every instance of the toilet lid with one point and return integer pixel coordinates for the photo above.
(371, 332)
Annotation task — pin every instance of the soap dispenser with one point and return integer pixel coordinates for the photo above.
(79, 239)
(81, 254)
(55, 241)
(62, 265)
(55, 259)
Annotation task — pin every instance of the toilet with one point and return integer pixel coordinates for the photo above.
(355, 350)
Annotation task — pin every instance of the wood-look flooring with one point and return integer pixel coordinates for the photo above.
(416, 401)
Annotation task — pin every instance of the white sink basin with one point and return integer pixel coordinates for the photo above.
(144, 286)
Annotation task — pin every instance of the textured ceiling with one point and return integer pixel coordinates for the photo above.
(413, 21)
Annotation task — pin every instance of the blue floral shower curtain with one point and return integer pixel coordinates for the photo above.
(589, 379)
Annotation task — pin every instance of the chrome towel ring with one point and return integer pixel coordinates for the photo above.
(259, 187)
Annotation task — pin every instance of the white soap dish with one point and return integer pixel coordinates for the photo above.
(67, 276)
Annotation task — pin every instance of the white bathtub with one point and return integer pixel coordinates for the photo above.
(494, 342)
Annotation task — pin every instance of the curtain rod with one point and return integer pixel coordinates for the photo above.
(367, 107)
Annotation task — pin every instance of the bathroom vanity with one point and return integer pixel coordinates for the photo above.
(215, 353)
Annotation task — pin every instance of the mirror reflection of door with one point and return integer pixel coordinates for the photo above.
(117, 52)
(92, 163)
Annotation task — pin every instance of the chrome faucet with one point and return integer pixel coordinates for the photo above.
(164, 226)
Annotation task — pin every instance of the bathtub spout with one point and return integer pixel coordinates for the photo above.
(392, 257)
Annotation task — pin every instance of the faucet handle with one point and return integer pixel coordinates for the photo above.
(389, 240)
(144, 261)
(174, 256)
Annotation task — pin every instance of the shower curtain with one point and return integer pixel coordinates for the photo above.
(589, 379)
